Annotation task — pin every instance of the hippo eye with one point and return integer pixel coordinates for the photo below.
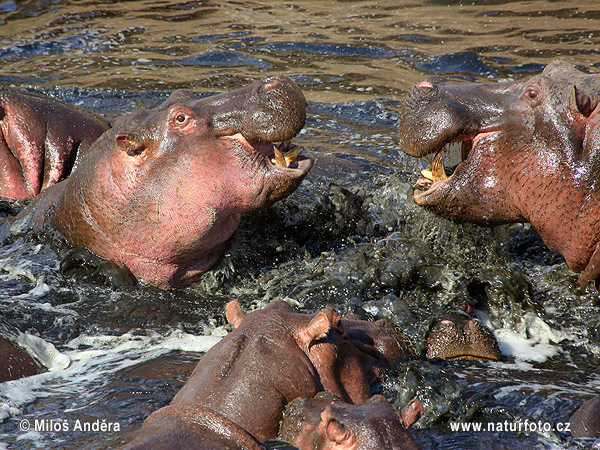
(532, 94)
(180, 118)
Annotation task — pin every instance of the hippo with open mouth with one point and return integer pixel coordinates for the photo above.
(163, 190)
(531, 153)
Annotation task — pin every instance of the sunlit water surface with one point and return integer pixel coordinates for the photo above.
(349, 237)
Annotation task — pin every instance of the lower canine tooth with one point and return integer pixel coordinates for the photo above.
(438, 172)
(427, 174)
(279, 158)
(292, 155)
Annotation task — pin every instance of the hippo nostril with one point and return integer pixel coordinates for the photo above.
(270, 85)
(425, 84)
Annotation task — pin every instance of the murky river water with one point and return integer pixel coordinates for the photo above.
(349, 237)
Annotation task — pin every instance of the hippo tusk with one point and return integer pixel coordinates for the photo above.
(279, 158)
(285, 159)
(436, 171)
(291, 156)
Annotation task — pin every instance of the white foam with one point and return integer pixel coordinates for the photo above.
(87, 359)
(534, 341)
(45, 352)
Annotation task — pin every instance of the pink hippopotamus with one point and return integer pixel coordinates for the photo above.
(162, 192)
(236, 395)
(41, 140)
(530, 150)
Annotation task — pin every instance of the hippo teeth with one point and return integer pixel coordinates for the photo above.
(279, 158)
(436, 170)
(457, 152)
(285, 159)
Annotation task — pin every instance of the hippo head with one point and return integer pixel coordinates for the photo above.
(273, 356)
(459, 336)
(347, 360)
(164, 190)
(530, 153)
(327, 423)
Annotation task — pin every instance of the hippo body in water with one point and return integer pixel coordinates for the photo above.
(531, 153)
(163, 191)
(239, 389)
(327, 423)
(585, 422)
(41, 140)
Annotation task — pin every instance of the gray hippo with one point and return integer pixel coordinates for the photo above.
(531, 153)
(41, 140)
(327, 423)
(236, 395)
(163, 191)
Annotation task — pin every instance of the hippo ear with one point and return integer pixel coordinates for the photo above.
(130, 144)
(234, 313)
(314, 330)
(411, 413)
(336, 432)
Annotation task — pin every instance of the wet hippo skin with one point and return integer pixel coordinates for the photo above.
(163, 191)
(585, 422)
(457, 335)
(242, 385)
(327, 423)
(41, 140)
(15, 362)
(531, 153)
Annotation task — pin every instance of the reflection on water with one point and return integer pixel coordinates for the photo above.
(339, 51)
(350, 236)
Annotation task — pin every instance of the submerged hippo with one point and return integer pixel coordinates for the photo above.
(531, 154)
(457, 335)
(41, 140)
(163, 191)
(16, 362)
(237, 393)
(327, 423)
(585, 422)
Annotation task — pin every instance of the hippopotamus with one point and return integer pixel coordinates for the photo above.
(16, 362)
(531, 153)
(41, 140)
(236, 395)
(585, 421)
(327, 423)
(457, 335)
(162, 192)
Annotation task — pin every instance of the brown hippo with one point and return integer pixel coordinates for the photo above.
(585, 422)
(237, 393)
(163, 191)
(16, 362)
(457, 335)
(327, 423)
(41, 140)
(531, 154)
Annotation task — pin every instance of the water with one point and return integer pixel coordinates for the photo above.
(349, 237)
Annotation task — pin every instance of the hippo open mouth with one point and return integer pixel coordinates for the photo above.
(283, 154)
(458, 150)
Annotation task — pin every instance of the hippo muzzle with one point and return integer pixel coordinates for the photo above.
(529, 153)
